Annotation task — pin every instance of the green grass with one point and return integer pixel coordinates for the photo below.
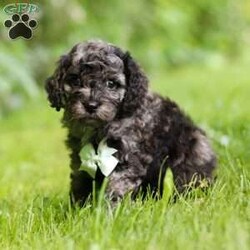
(34, 207)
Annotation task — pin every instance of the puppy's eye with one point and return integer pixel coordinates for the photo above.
(112, 84)
(73, 80)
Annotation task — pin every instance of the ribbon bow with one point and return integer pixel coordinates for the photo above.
(104, 159)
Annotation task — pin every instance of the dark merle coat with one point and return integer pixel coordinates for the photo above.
(104, 94)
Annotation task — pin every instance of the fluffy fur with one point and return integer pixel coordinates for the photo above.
(104, 94)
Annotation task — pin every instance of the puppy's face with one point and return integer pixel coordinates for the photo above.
(94, 89)
(95, 81)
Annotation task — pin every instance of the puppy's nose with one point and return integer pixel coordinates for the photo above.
(92, 106)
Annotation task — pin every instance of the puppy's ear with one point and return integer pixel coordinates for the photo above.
(54, 84)
(137, 84)
(55, 93)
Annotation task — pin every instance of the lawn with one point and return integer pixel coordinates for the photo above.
(34, 206)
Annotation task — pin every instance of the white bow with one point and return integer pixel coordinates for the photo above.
(104, 159)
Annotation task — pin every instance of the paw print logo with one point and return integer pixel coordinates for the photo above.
(20, 26)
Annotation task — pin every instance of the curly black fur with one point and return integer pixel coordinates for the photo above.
(146, 129)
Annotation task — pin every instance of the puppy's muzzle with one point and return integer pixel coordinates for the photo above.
(92, 106)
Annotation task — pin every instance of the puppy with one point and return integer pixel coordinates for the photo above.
(119, 129)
